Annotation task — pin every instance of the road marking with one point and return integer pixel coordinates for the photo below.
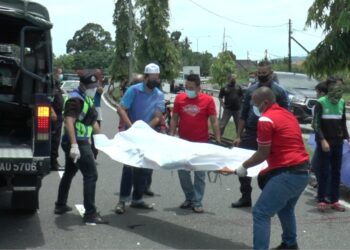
(107, 103)
(60, 173)
(80, 209)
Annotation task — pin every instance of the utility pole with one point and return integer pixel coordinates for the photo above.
(289, 46)
(223, 42)
(130, 34)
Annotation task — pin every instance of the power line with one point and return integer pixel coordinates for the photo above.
(234, 21)
(307, 34)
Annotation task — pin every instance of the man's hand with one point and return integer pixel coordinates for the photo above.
(237, 141)
(74, 152)
(241, 171)
(325, 146)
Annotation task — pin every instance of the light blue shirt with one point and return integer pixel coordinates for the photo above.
(142, 105)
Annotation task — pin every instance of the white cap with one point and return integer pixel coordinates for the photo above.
(152, 68)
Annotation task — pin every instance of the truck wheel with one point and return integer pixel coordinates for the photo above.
(25, 201)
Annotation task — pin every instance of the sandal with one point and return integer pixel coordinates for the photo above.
(322, 206)
(198, 210)
(120, 208)
(338, 207)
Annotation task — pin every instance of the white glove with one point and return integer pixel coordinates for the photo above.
(74, 152)
(241, 171)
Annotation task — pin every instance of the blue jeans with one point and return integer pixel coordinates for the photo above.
(279, 196)
(193, 192)
(330, 165)
(86, 165)
(136, 178)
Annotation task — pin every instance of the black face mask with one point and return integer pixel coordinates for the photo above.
(233, 82)
(264, 79)
(151, 84)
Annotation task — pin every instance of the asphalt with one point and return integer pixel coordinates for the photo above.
(165, 227)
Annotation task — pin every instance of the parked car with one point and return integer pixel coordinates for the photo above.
(70, 77)
(301, 93)
(68, 86)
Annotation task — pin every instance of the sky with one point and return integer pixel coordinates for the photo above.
(252, 28)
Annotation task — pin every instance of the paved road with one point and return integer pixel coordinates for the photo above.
(167, 226)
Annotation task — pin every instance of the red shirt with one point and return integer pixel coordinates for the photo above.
(193, 116)
(279, 128)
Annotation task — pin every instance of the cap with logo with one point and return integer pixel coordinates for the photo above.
(152, 68)
(89, 80)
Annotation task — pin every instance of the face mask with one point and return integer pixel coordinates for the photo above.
(151, 84)
(264, 79)
(60, 77)
(256, 111)
(335, 94)
(233, 82)
(251, 79)
(191, 93)
(90, 92)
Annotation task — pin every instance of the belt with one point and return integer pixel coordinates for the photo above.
(299, 169)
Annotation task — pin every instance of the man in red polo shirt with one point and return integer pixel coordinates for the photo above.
(279, 143)
(191, 112)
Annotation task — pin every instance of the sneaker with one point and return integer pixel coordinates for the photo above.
(338, 207)
(148, 192)
(120, 208)
(242, 202)
(186, 204)
(285, 246)
(141, 205)
(94, 219)
(62, 209)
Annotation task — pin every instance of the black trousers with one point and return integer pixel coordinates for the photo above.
(56, 130)
(248, 141)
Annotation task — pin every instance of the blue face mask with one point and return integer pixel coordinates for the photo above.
(256, 111)
(191, 93)
(60, 77)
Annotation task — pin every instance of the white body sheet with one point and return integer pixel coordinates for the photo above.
(141, 146)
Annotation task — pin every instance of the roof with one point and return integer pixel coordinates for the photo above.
(28, 11)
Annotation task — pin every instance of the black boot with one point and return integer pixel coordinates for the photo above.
(242, 202)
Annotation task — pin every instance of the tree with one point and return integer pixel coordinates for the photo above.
(91, 37)
(332, 54)
(153, 41)
(222, 66)
(121, 60)
(66, 62)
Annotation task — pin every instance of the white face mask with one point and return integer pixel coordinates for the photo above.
(90, 92)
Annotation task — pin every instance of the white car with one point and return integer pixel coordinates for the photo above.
(69, 85)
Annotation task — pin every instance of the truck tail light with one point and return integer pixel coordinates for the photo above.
(43, 122)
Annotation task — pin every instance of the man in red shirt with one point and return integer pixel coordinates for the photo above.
(191, 112)
(279, 143)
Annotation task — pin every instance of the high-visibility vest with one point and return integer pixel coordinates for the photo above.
(82, 131)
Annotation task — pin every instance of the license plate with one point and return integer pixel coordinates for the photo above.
(18, 167)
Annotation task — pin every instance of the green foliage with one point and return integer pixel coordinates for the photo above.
(222, 66)
(93, 59)
(153, 41)
(66, 62)
(332, 54)
(120, 63)
(91, 37)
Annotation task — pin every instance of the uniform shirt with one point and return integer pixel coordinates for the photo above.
(247, 113)
(232, 94)
(279, 128)
(330, 121)
(142, 105)
(193, 116)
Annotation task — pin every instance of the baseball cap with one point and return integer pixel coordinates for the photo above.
(89, 80)
(152, 68)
